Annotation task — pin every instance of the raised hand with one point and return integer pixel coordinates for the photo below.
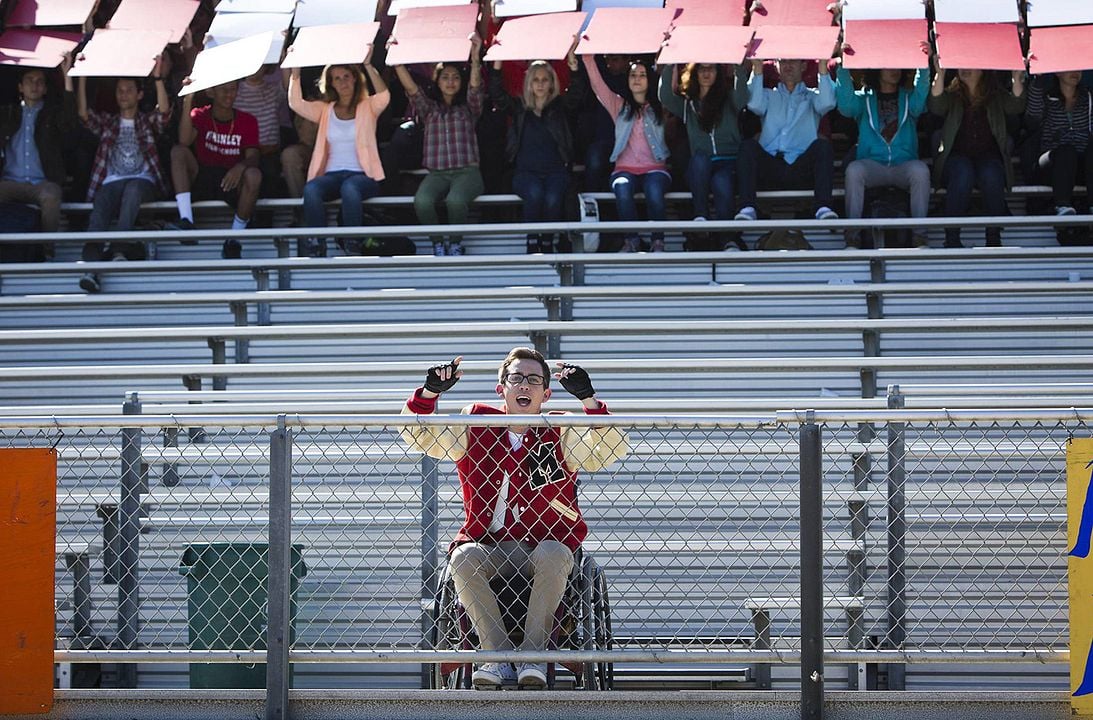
(441, 378)
(575, 380)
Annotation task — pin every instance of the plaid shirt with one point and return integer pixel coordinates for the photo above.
(107, 127)
(450, 141)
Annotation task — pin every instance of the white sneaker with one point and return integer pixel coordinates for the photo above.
(1061, 210)
(532, 676)
(438, 248)
(747, 214)
(826, 213)
(491, 676)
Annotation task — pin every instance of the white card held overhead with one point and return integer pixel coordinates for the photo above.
(226, 27)
(976, 11)
(174, 16)
(231, 61)
(331, 45)
(590, 5)
(884, 10)
(255, 6)
(398, 5)
(1046, 13)
(515, 8)
(333, 12)
(120, 53)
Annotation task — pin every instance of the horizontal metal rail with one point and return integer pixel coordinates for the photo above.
(991, 389)
(852, 363)
(689, 656)
(1031, 323)
(541, 293)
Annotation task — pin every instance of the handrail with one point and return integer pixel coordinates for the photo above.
(854, 363)
(558, 291)
(567, 327)
(980, 389)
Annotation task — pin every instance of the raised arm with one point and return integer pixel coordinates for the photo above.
(186, 132)
(496, 87)
(588, 448)
(436, 441)
(848, 101)
(757, 98)
(666, 90)
(611, 102)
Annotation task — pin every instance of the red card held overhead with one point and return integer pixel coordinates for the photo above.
(716, 45)
(1061, 49)
(791, 12)
(120, 53)
(787, 42)
(880, 44)
(536, 37)
(36, 48)
(319, 45)
(706, 12)
(979, 46)
(174, 16)
(432, 34)
(626, 31)
(50, 13)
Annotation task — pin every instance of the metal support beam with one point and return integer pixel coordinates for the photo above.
(279, 612)
(897, 548)
(242, 345)
(430, 553)
(129, 503)
(812, 556)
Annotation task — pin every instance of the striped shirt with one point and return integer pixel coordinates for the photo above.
(449, 140)
(1059, 125)
(262, 101)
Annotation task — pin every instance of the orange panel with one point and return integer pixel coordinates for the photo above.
(28, 519)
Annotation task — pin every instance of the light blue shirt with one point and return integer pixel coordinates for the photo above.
(790, 119)
(22, 162)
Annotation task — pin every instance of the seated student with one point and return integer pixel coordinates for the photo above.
(710, 109)
(519, 487)
(640, 153)
(540, 144)
(974, 143)
(887, 112)
(448, 111)
(788, 152)
(224, 164)
(32, 133)
(127, 171)
(1063, 110)
(595, 126)
(346, 161)
(262, 95)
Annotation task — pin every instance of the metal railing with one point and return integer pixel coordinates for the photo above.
(869, 538)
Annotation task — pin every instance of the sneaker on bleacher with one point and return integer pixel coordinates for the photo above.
(531, 676)
(747, 214)
(491, 676)
(826, 213)
(232, 250)
(438, 248)
(1063, 210)
(455, 247)
(89, 282)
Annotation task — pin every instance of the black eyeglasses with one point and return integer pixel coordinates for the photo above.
(520, 379)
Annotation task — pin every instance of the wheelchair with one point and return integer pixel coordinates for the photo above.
(581, 622)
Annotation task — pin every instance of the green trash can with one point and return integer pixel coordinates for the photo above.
(226, 608)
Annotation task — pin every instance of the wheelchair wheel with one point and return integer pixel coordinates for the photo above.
(601, 621)
(446, 635)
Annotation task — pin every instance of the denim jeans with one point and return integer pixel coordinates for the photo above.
(120, 199)
(960, 176)
(654, 184)
(353, 188)
(543, 194)
(703, 174)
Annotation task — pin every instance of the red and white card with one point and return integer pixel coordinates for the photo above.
(880, 44)
(1060, 49)
(319, 45)
(536, 37)
(716, 45)
(432, 34)
(791, 12)
(706, 12)
(120, 53)
(174, 16)
(788, 42)
(979, 46)
(36, 48)
(50, 13)
(627, 31)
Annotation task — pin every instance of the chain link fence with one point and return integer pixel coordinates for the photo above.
(943, 537)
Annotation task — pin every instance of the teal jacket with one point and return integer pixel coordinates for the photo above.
(724, 139)
(861, 105)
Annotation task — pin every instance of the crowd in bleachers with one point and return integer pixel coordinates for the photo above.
(542, 130)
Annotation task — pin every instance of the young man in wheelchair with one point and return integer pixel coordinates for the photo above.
(519, 489)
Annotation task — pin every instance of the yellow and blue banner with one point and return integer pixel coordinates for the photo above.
(1079, 474)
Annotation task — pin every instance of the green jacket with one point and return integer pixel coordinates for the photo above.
(950, 106)
(724, 139)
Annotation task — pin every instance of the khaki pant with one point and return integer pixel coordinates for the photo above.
(46, 195)
(473, 565)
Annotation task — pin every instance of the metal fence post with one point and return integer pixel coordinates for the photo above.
(129, 503)
(279, 589)
(812, 555)
(429, 552)
(897, 549)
